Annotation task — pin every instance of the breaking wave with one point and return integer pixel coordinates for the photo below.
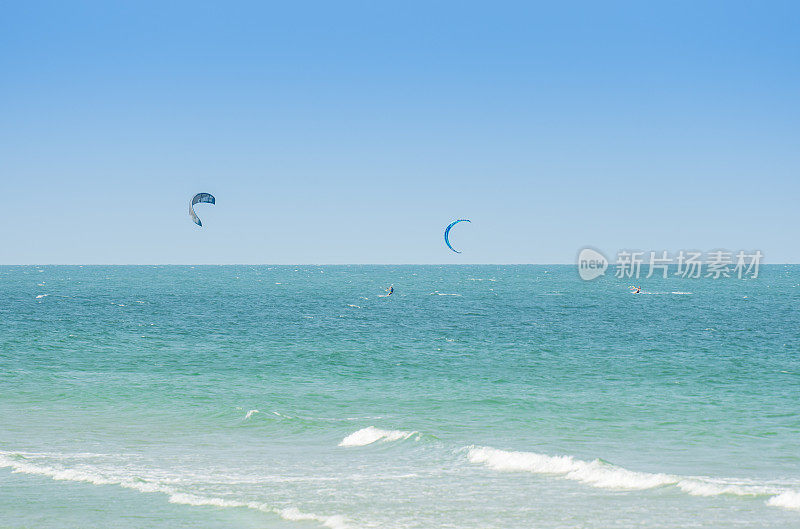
(595, 473)
(290, 513)
(370, 434)
(85, 474)
(788, 500)
(604, 475)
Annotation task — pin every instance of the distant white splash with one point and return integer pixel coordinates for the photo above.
(40, 296)
(370, 435)
(250, 414)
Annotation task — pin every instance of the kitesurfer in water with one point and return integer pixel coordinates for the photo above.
(390, 290)
(638, 290)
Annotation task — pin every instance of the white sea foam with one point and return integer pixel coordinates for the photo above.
(595, 473)
(292, 514)
(599, 474)
(145, 486)
(80, 473)
(40, 296)
(289, 513)
(18, 464)
(250, 413)
(788, 500)
(370, 435)
(58, 474)
(716, 487)
(199, 501)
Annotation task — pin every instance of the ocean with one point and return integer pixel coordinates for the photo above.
(473, 397)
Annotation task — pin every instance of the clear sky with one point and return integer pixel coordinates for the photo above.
(354, 132)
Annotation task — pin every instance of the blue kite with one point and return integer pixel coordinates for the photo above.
(447, 233)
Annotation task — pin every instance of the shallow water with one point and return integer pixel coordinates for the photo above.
(474, 397)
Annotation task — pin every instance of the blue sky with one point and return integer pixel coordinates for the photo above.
(354, 132)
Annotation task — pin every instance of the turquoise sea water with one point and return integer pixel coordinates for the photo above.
(474, 397)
